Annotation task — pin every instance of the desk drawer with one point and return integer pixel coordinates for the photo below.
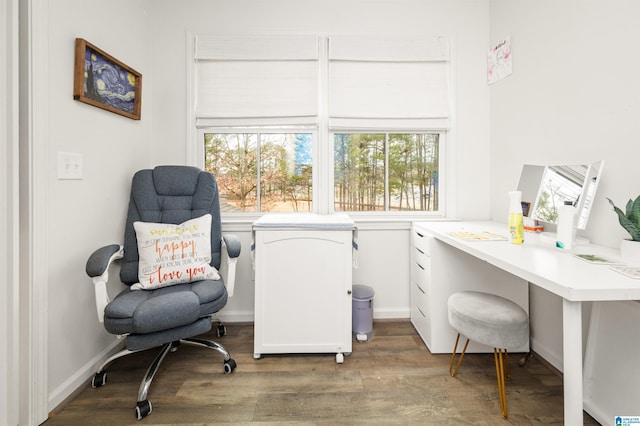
(418, 273)
(421, 241)
(420, 298)
(422, 258)
(420, 317)
(421, 272)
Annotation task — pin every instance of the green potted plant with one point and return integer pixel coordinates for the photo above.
(630, 221)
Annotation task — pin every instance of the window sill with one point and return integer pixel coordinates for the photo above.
(364, 221)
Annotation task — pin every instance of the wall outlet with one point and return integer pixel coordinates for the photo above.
(69, 165)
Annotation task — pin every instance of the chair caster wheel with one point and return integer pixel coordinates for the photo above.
(100, 379)
(222, 330)
(229, 366)
(143, 409)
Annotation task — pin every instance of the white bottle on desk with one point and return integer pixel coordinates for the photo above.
(566, 232)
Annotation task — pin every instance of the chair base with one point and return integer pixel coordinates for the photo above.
(503, 370)
(143, 406)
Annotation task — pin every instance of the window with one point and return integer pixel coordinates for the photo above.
(261, 172)
(374, 112)
(386, 172)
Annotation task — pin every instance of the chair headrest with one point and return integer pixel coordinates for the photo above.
(175, 180)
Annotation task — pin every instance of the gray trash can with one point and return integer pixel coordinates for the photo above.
(362, 313)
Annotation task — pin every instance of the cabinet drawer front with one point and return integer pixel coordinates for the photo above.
(422, 323)
(421, 241)
(420, 298)
(422, 259)
(419, 301)
(421, 272)
(418, 272)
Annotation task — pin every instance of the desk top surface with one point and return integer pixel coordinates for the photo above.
(540, 262)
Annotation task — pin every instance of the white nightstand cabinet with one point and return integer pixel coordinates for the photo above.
(436, 273)
(303, 272)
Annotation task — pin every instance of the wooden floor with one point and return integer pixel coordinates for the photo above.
(390, 380)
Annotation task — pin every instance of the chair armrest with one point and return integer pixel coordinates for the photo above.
(100, 259)
(98, 269)
(230, 251)
(232, 242)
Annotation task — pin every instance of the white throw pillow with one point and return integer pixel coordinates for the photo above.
(174, 254)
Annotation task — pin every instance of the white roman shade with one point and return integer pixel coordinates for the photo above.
(256, 80)
(388, 83)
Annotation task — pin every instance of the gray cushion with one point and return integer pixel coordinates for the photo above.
(137, 311)
(137, 342)
(489, 319)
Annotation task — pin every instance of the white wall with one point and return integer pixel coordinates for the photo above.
(574, 96)
(83, 215)
(384, 258)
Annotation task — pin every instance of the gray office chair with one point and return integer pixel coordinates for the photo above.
(167, 315)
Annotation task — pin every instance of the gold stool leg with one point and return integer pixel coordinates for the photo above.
(500, 374)
(453, 357)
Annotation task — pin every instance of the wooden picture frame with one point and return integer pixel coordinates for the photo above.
(101, 80)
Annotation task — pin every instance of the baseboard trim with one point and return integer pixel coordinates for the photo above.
(554, 359)
(66, 391)
(595, 411)
(391, 313)
(248, 316)
(236, 316)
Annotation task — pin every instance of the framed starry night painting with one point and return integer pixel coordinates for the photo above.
(104, 82)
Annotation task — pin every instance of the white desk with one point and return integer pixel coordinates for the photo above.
(561, 273)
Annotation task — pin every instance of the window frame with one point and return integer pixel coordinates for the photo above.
(323, 147)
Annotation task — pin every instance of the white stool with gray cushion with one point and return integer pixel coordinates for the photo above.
(493, 321)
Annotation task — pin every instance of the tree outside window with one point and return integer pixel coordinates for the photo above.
(386, 172)
(261, 172)
(373, 172)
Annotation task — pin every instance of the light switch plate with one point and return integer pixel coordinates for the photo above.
(69, 165)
